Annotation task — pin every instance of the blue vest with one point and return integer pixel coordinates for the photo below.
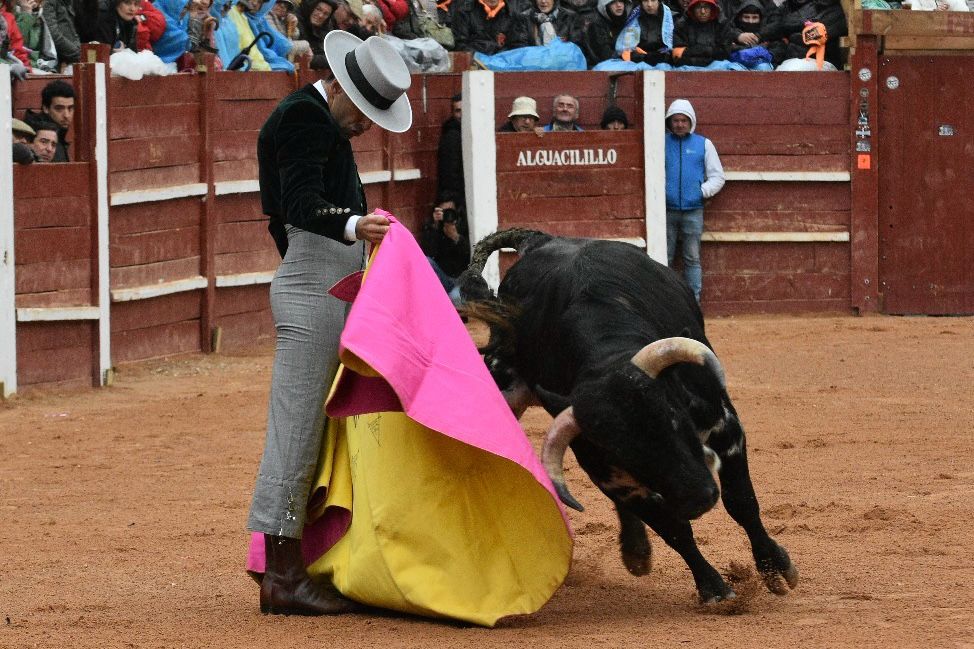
(685, 171)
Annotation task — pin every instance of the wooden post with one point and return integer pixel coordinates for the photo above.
(208, 225)
(480, 161)
(864, 135)
(100, 266)
(8, 289)
(654, 169)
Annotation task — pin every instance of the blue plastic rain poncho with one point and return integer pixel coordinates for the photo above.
(275, 49)
(175, 40)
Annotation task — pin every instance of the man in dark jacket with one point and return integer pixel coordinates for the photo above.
(784, 29)
(489, 27)
(449, 158)
(310, 189)
(548, 20)
(57, 105)
(701, 36)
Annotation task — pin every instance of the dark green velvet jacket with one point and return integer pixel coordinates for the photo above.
(308, 176)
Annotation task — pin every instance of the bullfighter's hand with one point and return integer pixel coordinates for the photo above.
(372, 228)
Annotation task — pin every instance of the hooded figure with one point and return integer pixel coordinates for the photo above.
(226, 36)
(489, 27)
(175, 40)
(548, 20)
(278, 46)
(701, 37)
(602, 30)
(308, 14)
(693, 175)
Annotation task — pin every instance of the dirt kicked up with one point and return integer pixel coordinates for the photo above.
(122, 509)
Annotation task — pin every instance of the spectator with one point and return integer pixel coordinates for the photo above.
(784, 29)
(564, 113)
(57, 105)
(748, 21)
(37, 37)
(22, 132)
(392, 11)
(175, 42)
(372, 21)
(116, 25)
(489, 27)
(282, 17)
(23, 135)
(446, 247)
(655, 34)
(614, 119)
(426, 18)
(547, 20)
(449, 158)
(12, 50)
(701, 37)
(61, 20)
(523, 117)
(348, 17)
(45, 141)
(601, 32)
(314, 22)
(693, 175)
(272, 47)
(150, 26)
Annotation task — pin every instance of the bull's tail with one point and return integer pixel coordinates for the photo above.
(473, 287)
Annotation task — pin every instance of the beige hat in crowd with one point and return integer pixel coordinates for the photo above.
(356, 7)
(524, 106)
(18, 126)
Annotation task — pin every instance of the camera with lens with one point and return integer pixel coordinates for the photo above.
(450, 216)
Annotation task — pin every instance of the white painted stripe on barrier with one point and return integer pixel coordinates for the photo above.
(654, 173)
(406, 174)
(790, 176)
(480, 162)
(8, 289)
(157, 290)
(244, 279)
(158, 194)
(58, 313)
(236, 187)
(369, 177)
(775, 237)
(104, 271)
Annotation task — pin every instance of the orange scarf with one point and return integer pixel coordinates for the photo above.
(445, 5)
(491, 12)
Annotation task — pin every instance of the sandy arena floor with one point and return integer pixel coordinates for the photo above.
(122, 509)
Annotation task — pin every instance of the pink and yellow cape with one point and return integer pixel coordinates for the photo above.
(429, 498)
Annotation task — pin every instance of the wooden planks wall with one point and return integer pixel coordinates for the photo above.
(785, 122)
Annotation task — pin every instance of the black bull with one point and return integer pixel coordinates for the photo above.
(612, 344)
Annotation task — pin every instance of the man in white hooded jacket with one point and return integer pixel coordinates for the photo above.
(693, 175)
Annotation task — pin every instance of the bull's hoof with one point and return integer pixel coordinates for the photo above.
(778, 572)
(780, 583)
(712, 598)
(638, 564)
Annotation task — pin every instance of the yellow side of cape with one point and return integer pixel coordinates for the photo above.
(438, 528)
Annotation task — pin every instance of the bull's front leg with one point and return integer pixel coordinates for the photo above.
(779, 573)
(637, 553)
(678, 534)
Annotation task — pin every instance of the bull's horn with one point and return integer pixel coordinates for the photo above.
(563, 430)
(656, 357)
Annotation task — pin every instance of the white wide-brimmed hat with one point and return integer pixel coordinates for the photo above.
(524, 106)
(374, 77)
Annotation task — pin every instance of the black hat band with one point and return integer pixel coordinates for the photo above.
(362, 84)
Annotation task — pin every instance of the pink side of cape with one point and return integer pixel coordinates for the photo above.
(404, 326)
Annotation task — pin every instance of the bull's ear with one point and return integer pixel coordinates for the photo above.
(550, 401)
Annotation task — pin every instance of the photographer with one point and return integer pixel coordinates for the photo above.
(445, 247)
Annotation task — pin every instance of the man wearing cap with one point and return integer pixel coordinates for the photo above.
(523, 117)
(23, 135)
(310, 189)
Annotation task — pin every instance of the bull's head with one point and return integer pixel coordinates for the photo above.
(651, 428)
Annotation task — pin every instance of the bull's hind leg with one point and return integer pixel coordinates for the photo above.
(772, 561)
(678, 534)
(637, 553)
